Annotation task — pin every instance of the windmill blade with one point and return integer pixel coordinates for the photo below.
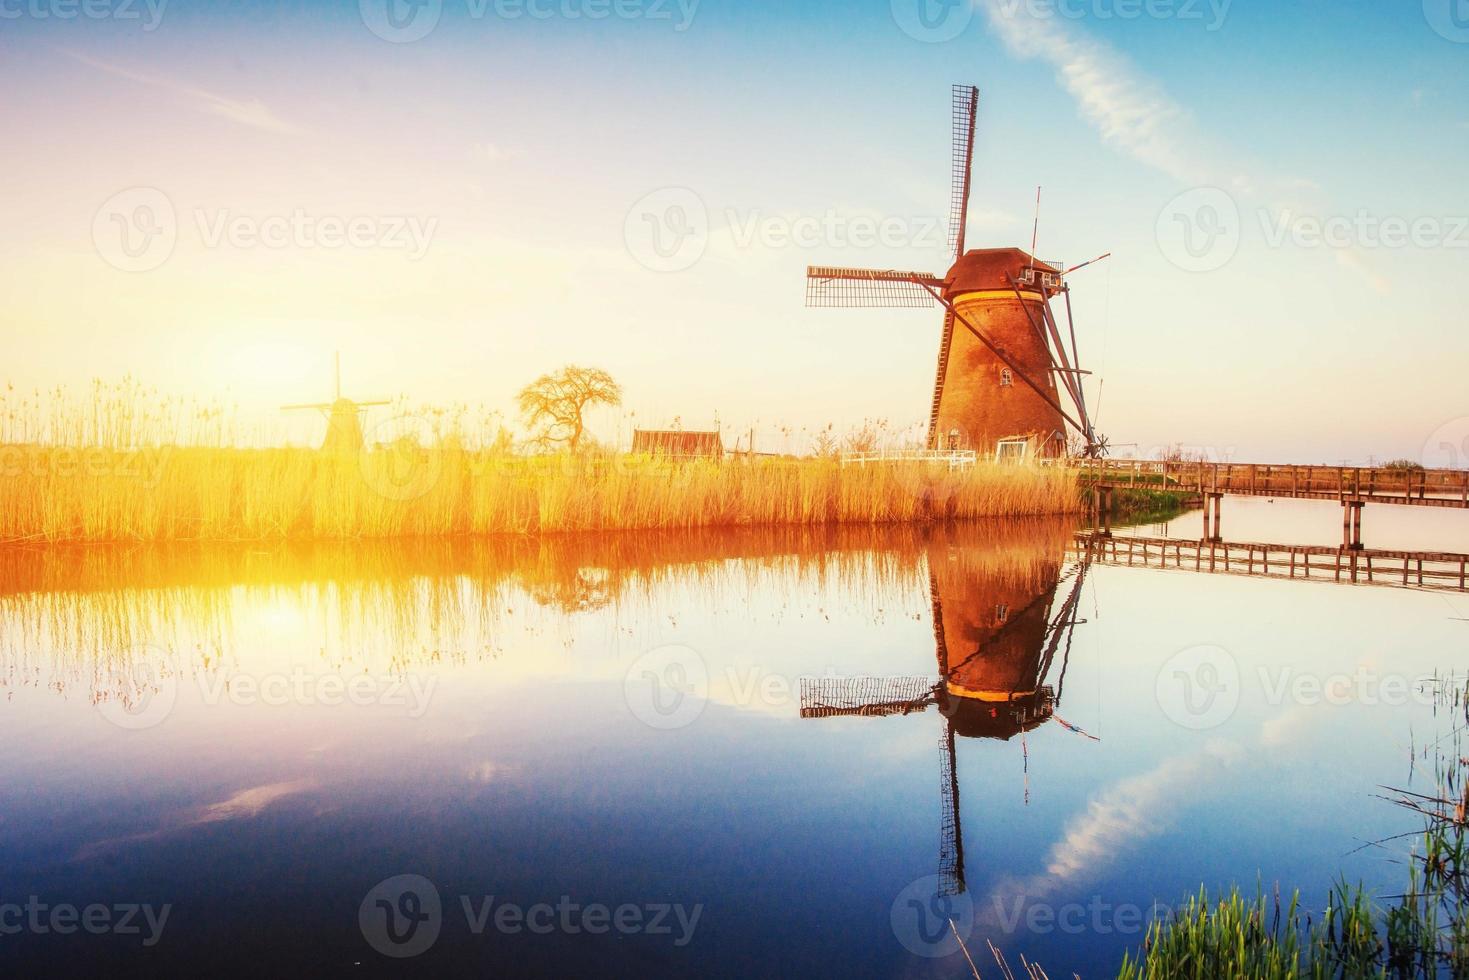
(951, 836)
(1074, 729)
(1071, 369)
(946, 343)
(1088, 262)
(964, 107)
(1064, 624)
(1097, 444)
(1035, 228)
(1066, 621)
(1045, 331)
(828, 697)
(889, 288)
(320, 405)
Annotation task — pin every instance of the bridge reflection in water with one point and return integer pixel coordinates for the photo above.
(1002, 643)
(1440, 570)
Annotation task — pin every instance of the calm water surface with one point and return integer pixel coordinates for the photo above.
(591, 755)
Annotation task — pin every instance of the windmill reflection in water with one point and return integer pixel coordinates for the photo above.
(997, 644)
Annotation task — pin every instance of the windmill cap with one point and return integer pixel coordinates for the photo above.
(1004, 720)
(990, 268)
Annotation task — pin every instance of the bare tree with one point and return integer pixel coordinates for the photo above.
(556, 403)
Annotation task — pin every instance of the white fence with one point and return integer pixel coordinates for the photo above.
(954, 458)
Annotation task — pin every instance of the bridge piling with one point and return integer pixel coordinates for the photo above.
(1212, 504)
(1351, 524)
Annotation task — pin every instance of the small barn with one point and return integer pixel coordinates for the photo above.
(678, 442)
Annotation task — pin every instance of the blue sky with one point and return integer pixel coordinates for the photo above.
(523, 146)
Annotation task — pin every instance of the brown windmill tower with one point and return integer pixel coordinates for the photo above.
(997, 634)
(343, 417)
(991, 627)
(1007, 385)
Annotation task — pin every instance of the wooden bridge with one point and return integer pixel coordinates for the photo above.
(1383, 485)
(1444, 571)
(1353, 486)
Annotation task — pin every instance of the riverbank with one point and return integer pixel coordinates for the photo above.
(1145, 505)
(73, 495)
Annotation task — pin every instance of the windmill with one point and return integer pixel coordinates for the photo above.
(343, 417)
(994, 658)
(995, 390)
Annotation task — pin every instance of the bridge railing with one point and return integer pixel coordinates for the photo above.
(952, 458)
(1285, 480)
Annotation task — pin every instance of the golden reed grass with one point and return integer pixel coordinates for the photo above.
(198, 493)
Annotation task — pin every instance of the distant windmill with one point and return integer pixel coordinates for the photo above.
(996, 387)
(343, 417)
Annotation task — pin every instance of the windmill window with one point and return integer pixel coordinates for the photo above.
(953, 440)
(1011, 450)
(1002, 613)
(1006, 378)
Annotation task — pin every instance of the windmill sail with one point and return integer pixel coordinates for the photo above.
(828, 697)
(890, 288)
(965, 108)
(946, 344)
(951, 837)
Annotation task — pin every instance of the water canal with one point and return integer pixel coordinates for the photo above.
(705, 754)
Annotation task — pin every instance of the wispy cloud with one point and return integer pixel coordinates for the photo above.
(243, 805)
(1133, 809)
(247, 112)
(1134, 114)
(249, 802)
(1131, 112)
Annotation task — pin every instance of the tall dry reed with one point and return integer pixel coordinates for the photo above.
(182, 493)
